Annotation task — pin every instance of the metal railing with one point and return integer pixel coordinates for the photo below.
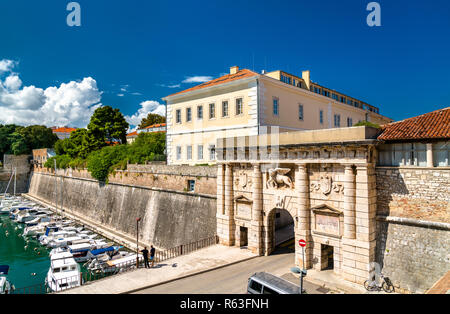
(183, 249)
(105, 270)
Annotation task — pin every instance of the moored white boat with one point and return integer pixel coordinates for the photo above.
(5, 285)
(64, 272)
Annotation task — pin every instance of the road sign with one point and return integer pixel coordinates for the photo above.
(302, 243)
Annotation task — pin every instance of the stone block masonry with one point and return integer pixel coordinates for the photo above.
(413, 256)
(177, 178)
(413, 224)
(169, 218)
(420, 193)
(22, 165)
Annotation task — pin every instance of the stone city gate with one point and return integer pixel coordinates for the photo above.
(324, 179)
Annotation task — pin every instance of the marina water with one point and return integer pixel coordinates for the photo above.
(29, 261)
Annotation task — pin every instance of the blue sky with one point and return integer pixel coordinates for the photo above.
(140, 51)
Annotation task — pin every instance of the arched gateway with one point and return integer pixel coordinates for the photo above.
(324, 179)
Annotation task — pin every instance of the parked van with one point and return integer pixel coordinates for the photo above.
(265, 283)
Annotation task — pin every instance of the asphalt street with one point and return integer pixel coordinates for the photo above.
(233, 279)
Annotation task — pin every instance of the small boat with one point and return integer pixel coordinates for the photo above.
(5, 285)
(26, 215)
(46, 240)
(37, 230)
(64, 272)
(105, 264)
(38, 220)
(16, 210)
(65, 241)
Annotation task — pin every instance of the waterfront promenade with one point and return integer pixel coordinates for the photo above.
(207, 259)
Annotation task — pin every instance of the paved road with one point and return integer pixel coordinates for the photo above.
(233, 279)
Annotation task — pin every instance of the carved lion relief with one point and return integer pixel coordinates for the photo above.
(278, 178)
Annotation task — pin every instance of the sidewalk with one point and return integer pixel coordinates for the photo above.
(442, 286)
(210, 258)
(329, 280)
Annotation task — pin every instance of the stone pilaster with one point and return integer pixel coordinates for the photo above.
(430, 162)
(303, 230)
(220, 215)
(229, 224)
(349, 203)
(220, 190)
(255, 232)
(359, 253)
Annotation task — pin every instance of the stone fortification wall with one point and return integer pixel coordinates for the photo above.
(169, 218)
(413, 224)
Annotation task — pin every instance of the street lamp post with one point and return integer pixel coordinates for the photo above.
(137, 242)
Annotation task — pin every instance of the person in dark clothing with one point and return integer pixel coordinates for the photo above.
(145, 254)
(152, 255)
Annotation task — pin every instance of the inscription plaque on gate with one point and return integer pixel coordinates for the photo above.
(327, 224)
(327, 220)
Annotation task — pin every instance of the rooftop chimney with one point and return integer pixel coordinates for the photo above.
(234, 70)
(306, 78)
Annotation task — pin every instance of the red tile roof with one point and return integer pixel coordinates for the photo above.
(244, 73)
(135, 133)
(155, 126)
(432, 125)
(64, 130)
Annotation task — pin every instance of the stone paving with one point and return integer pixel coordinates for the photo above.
(207, 259)
(442, 286)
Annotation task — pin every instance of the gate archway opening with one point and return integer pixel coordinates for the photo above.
(280, 235)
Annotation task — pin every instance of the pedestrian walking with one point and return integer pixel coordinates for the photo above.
(152, 255)
(145, 254)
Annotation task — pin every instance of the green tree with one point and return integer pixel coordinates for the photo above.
(5, 138)
(38, 136)
(147, 147)
(107, 125)
(79, 144)
(152, 119)
(18, 144)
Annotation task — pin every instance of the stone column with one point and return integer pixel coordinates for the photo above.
(349, 203)
(430, 162)
(220, 214)
(220, 190)
(255, 232)
(359, 253)
(229, 232)
(303, 217)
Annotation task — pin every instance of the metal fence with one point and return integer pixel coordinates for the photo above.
(107, 271)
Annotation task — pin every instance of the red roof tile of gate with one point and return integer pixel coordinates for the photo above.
(432, 125)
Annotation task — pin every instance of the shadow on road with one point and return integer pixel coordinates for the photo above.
(286, 247)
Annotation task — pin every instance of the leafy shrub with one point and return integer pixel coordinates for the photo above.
(367, 123)
(101, 163)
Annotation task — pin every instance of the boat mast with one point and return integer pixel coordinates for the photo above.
(15, 180)
(9, 182)
(56, 190)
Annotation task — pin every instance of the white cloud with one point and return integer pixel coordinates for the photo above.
(13, 82)
(69, 104)
(197, 79)
(170, 86)
(149, 106)
(7, 65)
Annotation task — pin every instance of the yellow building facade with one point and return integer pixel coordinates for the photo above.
(245, 103)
